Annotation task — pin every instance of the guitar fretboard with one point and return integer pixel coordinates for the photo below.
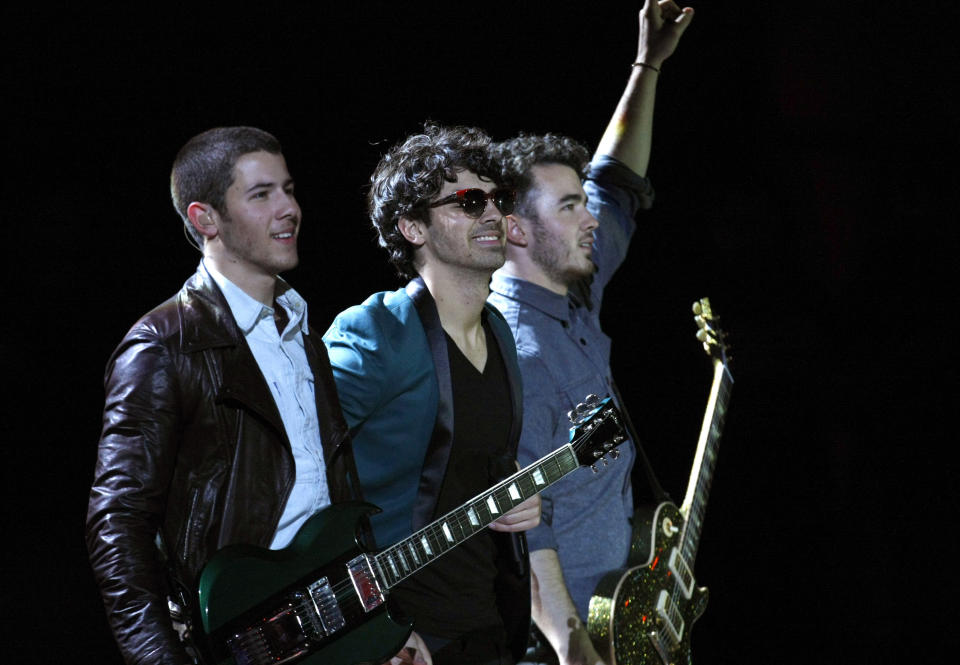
(698, 490)
(406, 557)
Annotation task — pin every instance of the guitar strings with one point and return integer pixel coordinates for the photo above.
(459, 518)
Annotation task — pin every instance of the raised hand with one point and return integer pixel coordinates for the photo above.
(661, 26)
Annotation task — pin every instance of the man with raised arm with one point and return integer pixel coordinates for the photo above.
(568, 235)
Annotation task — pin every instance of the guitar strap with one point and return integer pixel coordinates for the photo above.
(579, 293)
(659, 494)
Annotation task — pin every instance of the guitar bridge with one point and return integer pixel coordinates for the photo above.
(292, 631)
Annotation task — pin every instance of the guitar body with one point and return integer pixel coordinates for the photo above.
(322, 599)
(624, 615)
(243, 585)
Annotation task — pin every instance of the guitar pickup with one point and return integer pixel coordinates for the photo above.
(681, 571)
(670, 616)
(326, 606)
(365, 583)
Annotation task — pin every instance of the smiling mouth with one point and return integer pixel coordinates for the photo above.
(282, 236)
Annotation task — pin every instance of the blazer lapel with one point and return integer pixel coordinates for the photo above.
(441, 440)
(508, 351)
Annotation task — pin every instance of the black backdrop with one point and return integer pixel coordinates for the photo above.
(803, 159)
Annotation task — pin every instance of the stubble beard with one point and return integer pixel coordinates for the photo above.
(261, 257)
(554, 259)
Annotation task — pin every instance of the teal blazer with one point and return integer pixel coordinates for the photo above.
(390, 364)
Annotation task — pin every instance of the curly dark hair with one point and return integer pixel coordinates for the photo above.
(203, 169)
(412, 173)
(516, 158)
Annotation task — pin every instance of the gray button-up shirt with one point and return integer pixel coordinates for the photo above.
(564, 356)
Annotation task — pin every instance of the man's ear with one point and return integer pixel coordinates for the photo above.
(516, 234)
(204, 219)
(412, 230)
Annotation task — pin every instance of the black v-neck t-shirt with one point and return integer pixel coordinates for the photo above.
(455, 594)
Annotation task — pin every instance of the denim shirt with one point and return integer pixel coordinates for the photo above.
(564, 356)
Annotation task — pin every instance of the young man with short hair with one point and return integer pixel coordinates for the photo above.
(221, 422)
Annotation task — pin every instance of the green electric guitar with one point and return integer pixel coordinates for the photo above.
(642, 615)
(322, 599)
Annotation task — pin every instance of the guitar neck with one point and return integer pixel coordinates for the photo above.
(406, 557)
(698, 488)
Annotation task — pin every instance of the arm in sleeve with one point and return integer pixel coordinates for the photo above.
(615, 194)
(355, 344)
(540, 436)
(136, 456)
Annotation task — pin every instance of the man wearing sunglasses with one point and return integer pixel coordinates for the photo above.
(564, 242)
(429, 385)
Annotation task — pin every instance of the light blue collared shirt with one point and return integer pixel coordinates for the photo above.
(283, 362)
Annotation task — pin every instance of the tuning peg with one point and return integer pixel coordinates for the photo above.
(615, 453)
(592, 401)
(604, 460)
(593, 467)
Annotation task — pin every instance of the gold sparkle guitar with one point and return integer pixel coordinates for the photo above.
(642, 614)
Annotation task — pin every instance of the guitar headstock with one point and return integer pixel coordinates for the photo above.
(714, 340)
(597, 430)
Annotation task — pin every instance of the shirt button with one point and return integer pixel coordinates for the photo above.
(583, 341)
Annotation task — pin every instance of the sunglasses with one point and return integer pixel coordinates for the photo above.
(474, 201)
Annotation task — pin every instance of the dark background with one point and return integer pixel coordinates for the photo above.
(804, 159)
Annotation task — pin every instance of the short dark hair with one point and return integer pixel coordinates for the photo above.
(516, 158)
(412, 173)
(203, 169)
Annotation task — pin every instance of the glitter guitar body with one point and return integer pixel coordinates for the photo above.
(642, 614)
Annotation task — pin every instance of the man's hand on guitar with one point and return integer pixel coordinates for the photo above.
(522, 518)
(414, 652)
(580, 649)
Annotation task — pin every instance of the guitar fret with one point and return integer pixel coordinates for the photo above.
(481, 509)
(694, 523)
(538, 477)
(407, 556)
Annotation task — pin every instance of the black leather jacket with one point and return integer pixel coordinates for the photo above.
(193, 456)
